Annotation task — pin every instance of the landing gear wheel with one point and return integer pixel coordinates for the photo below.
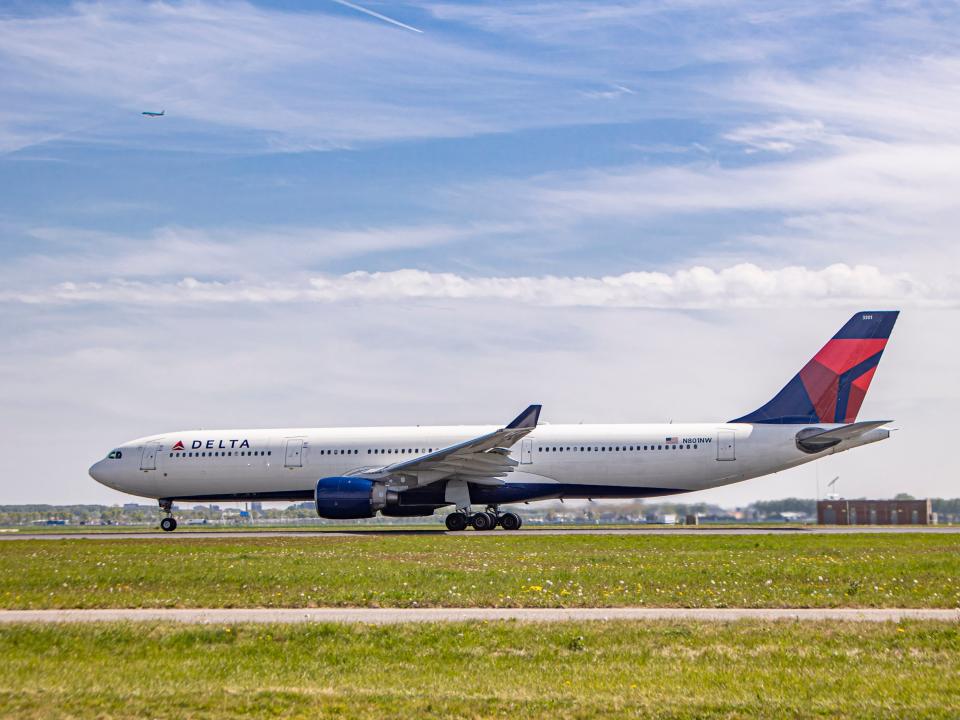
(483, 521)
(494, 519)
(510, 521)
(456, 521)
(168, 524)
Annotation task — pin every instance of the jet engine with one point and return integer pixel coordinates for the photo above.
(352, 498)
(349, 498)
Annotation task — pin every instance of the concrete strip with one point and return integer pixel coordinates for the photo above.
(406, 615)
(239, 534)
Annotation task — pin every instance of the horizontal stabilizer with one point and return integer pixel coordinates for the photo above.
(814, 440)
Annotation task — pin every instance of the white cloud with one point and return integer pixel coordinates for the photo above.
(58, 253)
(868, 176)
(912, 100)
(782, 136)
(741, 286)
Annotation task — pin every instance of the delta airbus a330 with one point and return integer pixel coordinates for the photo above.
(413, 471)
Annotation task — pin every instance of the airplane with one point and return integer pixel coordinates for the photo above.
(353, 473)
(149, 113)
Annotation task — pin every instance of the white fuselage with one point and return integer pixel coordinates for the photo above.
(553, 460)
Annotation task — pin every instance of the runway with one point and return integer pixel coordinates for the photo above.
(389, 616)
(531, 532)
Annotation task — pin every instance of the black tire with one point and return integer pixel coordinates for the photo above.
(168, 524)
(456, 521)
(494, 520)
(510, 521)
(482, 521)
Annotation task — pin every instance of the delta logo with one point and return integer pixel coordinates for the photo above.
(236, 444)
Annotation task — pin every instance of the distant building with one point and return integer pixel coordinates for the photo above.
(875, 512)
(662, 518)
(256, 507)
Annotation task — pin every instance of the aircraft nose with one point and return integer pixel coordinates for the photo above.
(96, 471)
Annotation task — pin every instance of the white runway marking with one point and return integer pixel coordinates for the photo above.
(380, 616)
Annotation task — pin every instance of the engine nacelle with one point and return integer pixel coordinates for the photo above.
(349, 498)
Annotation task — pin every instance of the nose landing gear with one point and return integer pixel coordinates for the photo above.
(169, 523)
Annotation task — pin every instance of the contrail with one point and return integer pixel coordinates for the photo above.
(377, 15)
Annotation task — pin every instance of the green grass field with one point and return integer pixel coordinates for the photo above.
(908, 570)
(595, 670)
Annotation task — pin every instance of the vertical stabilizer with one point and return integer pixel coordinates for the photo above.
(831, 387)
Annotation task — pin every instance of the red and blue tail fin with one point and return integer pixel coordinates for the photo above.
(831, 387)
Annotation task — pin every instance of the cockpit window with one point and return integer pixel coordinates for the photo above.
(115, 455)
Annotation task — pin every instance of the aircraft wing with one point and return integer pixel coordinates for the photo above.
(483, 460)
(823, 439)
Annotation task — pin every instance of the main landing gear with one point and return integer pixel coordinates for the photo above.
(487, 520)
(169, 523)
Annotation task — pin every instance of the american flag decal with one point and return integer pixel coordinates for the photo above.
(672, 440)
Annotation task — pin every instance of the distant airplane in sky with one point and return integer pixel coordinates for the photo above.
(413, 471)
(150, 113)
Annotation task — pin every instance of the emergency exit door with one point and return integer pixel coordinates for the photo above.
(726, 445)
(294, 454)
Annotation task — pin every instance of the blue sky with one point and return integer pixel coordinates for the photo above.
(342, 221)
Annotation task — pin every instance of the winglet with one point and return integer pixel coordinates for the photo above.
(527, 419)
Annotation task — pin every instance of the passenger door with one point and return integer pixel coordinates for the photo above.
(293, 457)
(148, 459)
